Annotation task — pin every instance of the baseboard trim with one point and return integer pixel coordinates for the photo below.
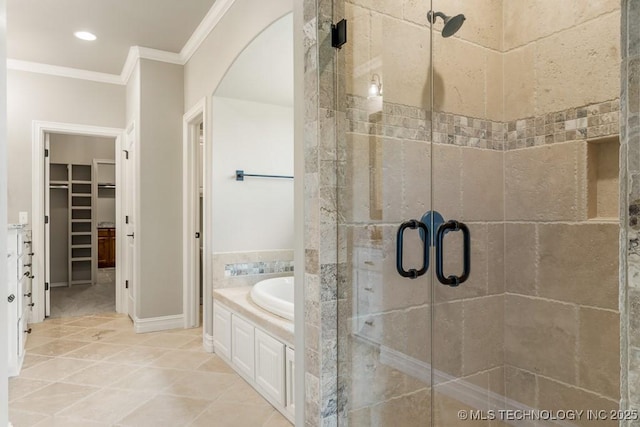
(163, 323)
(207, 342)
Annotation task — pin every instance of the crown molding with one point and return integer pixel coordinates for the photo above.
(129, 64)
(159, 55)
(55, 70)
(211, 19)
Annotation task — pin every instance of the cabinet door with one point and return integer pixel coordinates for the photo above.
(242, 345)
(221, 331)
(290, 378)
(112, 248)
(103, 251)
(270, 366)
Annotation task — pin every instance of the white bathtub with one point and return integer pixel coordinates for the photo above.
(275, 296)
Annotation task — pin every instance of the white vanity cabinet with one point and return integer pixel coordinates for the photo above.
(290, 377)
(263, 360)
(18, 294)
(269, 360)
(222, 331)
(242, 346)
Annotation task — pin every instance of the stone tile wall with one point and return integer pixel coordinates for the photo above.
(359, 160)
(630, 209)
(321, 139)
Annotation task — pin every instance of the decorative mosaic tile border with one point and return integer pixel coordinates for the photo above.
(592, 121)
(464, 131)
(254, 268)
(406, 122)
(394, 121)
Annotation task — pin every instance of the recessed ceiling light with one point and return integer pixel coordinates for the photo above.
(85, 35)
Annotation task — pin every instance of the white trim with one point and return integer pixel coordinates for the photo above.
(129, 65)
(207, 342)
(159, 55)
(131, 134)
(211, 19)
(55, 70)
(162, 323)
(39, 129)
(190, 215)
(299, 211)
(207, 221)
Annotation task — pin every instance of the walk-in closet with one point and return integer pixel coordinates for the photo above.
(82, 209)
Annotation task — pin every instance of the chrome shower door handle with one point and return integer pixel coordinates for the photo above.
(412, 273)
(466, 269)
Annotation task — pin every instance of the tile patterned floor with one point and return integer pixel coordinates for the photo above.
(95, 371)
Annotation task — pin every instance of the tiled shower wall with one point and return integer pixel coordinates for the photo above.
(630, 208)
(522, 117)
(320, 223)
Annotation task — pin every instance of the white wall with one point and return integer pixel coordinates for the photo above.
(32, 96)
(160, 189)
(106, 203)
(80, 149)
(244, 20)
(255, 214)
(204, 71)
(133, 97)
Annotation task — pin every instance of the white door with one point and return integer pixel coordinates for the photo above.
(47, 234)
(129, 162)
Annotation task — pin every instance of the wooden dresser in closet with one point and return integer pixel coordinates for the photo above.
(106, 247)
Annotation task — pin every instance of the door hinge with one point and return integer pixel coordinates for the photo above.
(126, 284)
(46, 152)
(46, 219)
(339, 34)
(46, 286)
(126, 219)
(126, 154)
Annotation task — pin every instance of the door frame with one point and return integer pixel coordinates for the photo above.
(130, 138)
(39, 130)
(190, 219)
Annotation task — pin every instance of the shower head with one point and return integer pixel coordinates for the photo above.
(451, 23)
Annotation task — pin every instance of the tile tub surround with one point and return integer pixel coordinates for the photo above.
(95, 371)
(239, 300)
(237, 269)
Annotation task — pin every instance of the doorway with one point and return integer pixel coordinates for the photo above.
(194, 217)
(80, 218)
(68, 281)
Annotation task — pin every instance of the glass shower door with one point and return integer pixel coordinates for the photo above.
(468, 191)
(384, 327)
(487, 120)
(530, 138)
